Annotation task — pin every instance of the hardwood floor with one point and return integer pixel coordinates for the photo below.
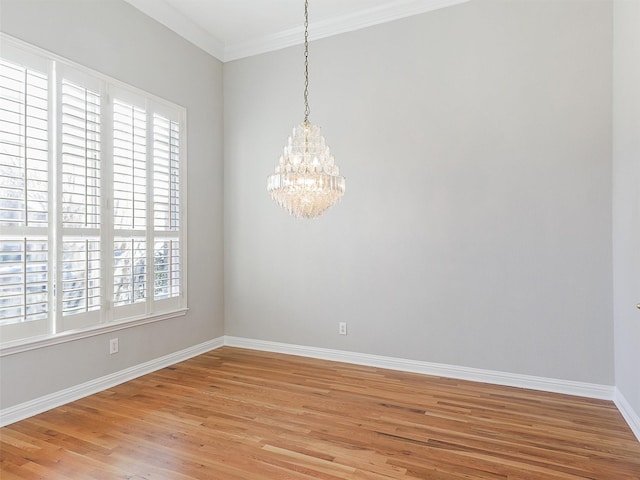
(239, 414)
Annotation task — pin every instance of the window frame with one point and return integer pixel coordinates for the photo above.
(60, 328)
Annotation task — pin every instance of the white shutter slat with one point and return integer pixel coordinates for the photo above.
(24, 146)
(129, 271)
(166, 268)
(80, 275)
(24, 278)
(129, 166)
(165, 173)
(80, 130)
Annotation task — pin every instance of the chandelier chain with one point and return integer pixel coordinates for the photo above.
(307, 110)
(306, 181)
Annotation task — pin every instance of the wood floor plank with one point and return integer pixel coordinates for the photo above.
(235, 414)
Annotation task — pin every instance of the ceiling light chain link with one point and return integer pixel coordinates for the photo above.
(307, 110)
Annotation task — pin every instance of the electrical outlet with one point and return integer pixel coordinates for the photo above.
(342, 328)
(113, 346)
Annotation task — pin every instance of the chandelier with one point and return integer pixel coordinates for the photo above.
(307, 180)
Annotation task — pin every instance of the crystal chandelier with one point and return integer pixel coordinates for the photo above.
(307, 180)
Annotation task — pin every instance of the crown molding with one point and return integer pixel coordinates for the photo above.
(334, 26)
(171, 18)
(183, 26)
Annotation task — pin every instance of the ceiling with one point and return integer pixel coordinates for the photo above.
(232, 29)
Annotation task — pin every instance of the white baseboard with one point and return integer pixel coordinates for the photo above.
(568, 387)
(47, 402)
(631, 417)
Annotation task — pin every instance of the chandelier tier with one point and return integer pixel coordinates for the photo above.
(307, 180)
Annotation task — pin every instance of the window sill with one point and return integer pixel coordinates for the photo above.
(34, 343)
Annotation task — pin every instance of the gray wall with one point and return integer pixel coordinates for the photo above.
(476, 228)
(626, 198)
(114, 38)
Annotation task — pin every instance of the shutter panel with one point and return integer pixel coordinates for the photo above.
(24, 147)
(166, 207)
(24, 200)
(166, 174)
(166, 268)
(129, 166)
(129, 271)
(80, 275)
(80, 191)
(130, 214)
(24, 279)
(80, 157)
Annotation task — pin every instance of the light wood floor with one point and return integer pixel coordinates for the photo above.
(238, 414)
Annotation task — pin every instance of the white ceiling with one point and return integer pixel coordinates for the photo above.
(232, 29)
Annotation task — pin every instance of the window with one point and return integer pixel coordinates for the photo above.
(91, 210)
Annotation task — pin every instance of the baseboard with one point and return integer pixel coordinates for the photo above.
(581, 389)
(47, 402)
(631, 417)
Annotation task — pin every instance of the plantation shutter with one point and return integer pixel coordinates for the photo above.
(80, 146)
(166, 208)
(130, 212)
(91, 216)
(25, 260)
(147, 274)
